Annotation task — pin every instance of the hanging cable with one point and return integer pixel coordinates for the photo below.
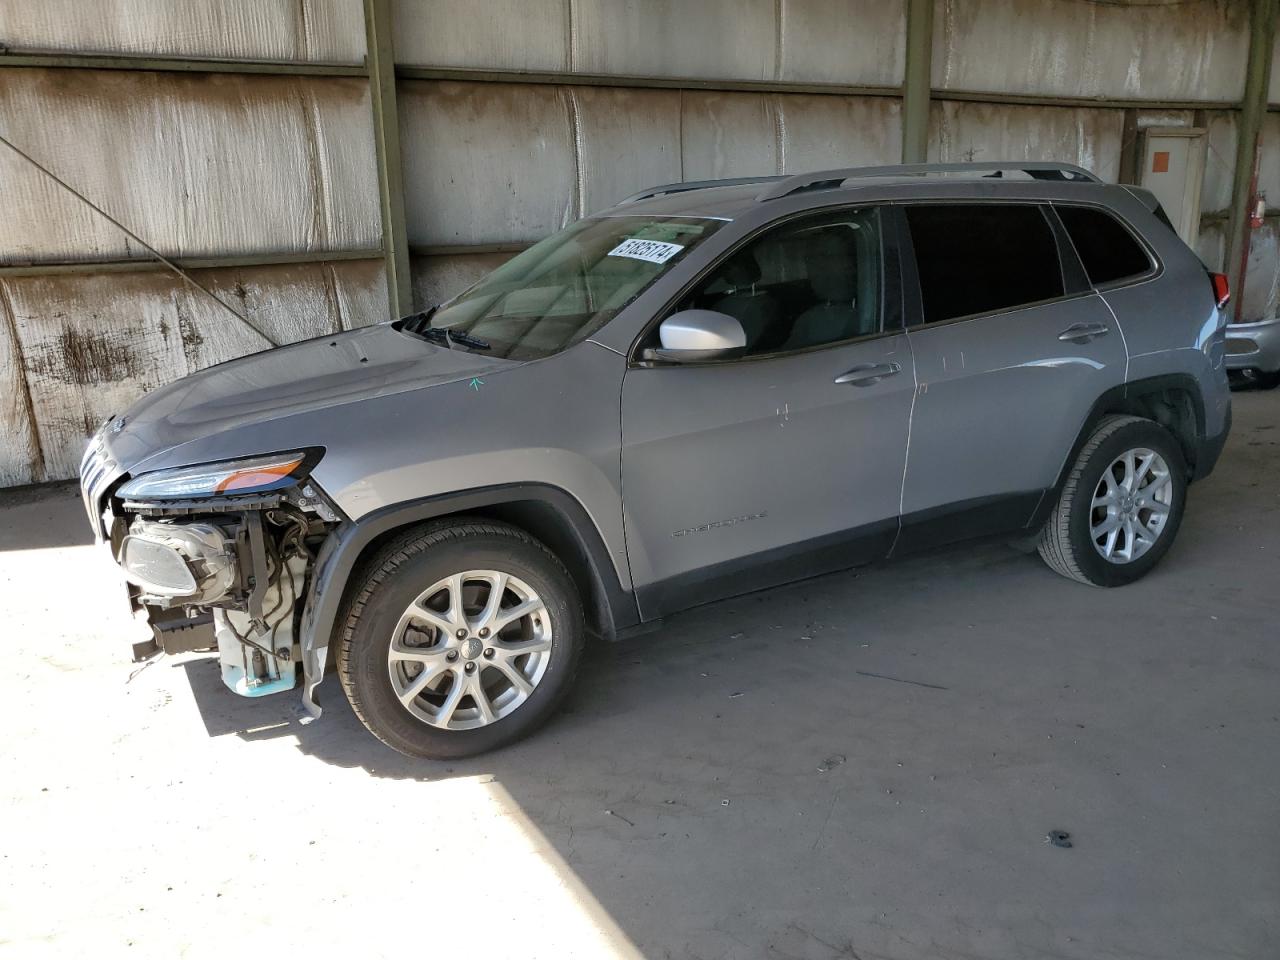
(146, 246)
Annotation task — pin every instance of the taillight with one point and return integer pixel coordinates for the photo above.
(1221, 289)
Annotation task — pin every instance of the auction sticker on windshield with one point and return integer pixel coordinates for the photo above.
(652, 251)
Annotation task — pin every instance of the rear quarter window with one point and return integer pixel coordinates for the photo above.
(1107, 249)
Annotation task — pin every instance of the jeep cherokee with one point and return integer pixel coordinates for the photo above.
(708, 389)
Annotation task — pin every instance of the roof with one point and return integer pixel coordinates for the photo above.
(717, 202)
(728, 199)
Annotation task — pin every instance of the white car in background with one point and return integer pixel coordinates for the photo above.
(1253, 353)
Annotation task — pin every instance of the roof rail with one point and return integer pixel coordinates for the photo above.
(827, 179)
(666, 188)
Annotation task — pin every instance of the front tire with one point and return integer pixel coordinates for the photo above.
(464, 636)
(1121, 505)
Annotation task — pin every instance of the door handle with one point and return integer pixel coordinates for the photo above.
(1083, 332)
(866, 374)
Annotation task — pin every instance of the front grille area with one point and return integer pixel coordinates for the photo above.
(97, 471)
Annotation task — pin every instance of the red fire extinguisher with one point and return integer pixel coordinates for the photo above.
(1258, 211)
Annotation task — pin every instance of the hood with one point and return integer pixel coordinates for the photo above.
(298, 378)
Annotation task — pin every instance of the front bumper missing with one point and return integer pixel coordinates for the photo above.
(255, 623)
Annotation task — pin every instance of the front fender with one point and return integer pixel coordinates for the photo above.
(351, 542)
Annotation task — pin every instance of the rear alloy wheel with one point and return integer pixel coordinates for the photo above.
(1131, 505)
(464, 636)
(1121, 505)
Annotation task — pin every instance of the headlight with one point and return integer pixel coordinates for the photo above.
(226, 478)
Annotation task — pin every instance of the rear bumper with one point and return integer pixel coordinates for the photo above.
(1254, 346)
(1210, 449)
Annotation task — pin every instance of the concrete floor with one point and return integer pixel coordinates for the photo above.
(749, 782)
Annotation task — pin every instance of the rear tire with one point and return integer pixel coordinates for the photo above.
(439, 679)
(1103, 533)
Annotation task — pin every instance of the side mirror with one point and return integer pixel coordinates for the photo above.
(691, 336)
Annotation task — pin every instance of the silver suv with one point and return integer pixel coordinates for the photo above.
(708, 389)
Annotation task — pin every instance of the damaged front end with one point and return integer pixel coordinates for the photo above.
(221, 555)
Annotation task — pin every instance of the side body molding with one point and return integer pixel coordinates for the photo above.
(580, 545)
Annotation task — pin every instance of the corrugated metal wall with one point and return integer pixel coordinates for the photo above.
(516, 116)
(304, 31)
(497, 164)
(554, 152)
(206, 167)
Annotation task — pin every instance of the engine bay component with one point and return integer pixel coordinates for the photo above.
(259, 657)
(175, 632)
(213, 574)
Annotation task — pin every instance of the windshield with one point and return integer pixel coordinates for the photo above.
(571, 284)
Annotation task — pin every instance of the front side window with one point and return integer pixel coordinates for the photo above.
(563, 289)
(803, 284)
(980, 258)
(1108, 250)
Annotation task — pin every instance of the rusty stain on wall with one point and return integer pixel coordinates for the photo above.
(83, 356)
(93, 344)
(191, 337)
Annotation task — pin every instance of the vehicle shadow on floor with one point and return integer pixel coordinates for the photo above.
(868, 763)
(685, 681)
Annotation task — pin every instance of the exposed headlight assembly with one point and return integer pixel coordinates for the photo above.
(225, 478)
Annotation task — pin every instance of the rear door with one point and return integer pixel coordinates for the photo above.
(1012, 347)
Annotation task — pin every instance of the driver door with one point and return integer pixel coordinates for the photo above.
(788, 461)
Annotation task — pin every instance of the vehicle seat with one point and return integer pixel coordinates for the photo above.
(756, 310)
(831, 262)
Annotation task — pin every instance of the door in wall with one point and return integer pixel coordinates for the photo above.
(1173, 169)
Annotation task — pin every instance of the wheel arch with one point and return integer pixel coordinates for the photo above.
(547, 513)
(1174, 401)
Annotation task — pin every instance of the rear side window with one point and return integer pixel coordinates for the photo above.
(1108, 251)
(979, 258)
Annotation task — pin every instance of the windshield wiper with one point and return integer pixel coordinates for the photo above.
(417, 323)
(414, 320)
(456, 336)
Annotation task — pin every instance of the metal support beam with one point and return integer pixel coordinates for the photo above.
(386, 131)
(465, 249)
(916, 82)
(1253, 108)
(86, 61)
(632, 81)
(227, 262)
(1130, 148)
(1102, 103)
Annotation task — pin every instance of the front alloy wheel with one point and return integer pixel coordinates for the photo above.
(463, 636)
(470, 650)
